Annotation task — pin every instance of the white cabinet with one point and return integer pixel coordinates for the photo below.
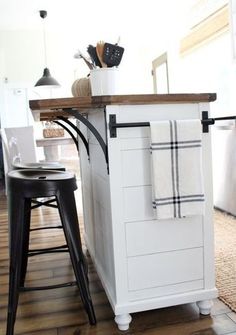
(142, 262)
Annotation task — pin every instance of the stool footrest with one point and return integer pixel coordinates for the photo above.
(39, 288)
(61, 248)
(47, 203)
(49, 227)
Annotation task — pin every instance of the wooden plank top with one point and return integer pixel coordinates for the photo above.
(54, 107)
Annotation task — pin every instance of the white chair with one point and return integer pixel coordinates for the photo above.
(19, 150)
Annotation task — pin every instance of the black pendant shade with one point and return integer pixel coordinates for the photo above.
(47, 79)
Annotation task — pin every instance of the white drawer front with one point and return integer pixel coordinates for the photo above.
(165, 268)
(163, 235)
(161, 291)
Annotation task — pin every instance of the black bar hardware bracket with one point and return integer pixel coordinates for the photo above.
(113, 125)
(206, 122)
(93, 130)
(79, 133)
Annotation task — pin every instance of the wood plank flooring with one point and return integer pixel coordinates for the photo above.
(60, 312)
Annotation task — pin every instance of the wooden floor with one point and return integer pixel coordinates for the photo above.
(60, 312)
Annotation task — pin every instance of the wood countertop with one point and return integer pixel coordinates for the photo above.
(50, 108)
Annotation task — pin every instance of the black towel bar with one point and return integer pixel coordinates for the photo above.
(206, 122)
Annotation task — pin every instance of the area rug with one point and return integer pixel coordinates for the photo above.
(225, 257)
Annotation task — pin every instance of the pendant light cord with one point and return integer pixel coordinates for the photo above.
(45, 43)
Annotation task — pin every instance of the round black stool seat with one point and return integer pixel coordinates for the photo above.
(40, 183)
(23, 187)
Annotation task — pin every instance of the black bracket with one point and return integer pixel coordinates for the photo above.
(79, 133)
(93, 130)
(113, 125)
(206, 122)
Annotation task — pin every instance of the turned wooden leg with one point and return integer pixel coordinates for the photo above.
(205, 306)
(123, 321)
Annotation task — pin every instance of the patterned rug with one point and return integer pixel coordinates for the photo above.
(225, 257)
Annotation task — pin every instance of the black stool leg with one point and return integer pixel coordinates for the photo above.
(67, 210)
(26, 235)
(16, 214)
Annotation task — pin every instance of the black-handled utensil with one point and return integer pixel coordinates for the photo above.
(112, 54)
(93, 55)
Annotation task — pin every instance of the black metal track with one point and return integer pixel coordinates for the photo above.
(206, 122)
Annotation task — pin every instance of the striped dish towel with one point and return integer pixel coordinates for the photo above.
(176, 151)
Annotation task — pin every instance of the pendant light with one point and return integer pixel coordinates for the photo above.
(46, 79)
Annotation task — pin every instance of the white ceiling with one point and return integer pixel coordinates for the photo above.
(93, 15)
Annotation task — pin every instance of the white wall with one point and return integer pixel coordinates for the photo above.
(210, 68)
(24, 60)
(143, 26)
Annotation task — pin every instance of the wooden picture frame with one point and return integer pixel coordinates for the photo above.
(160, 74)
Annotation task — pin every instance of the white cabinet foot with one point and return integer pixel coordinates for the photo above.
(123, 321)
(205, 306)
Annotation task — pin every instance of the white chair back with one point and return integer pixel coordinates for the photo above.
(18, 145)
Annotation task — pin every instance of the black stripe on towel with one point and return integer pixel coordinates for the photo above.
(175, 148)
(172, 157)
(178, 199)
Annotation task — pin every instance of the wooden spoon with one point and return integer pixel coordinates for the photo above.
(99, 50)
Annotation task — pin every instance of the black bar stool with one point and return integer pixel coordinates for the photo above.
(23, 186)
(19, 165)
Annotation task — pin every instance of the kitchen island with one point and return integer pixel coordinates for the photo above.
(143, 263)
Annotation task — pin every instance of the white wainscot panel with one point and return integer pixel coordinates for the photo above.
(165, 268)
(97, 160)
(85, 173)
(135, 143)
(103, 242)
(136, 167)
(97, 119)
(163, 235)
(138, 203)
(101, 192)
(88, 218)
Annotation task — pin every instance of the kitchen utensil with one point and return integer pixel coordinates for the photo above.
(100, 50)
(80, 55)
(112, 54)
(93, 55)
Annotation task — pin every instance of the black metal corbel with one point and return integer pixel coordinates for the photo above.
(69, 132)
(93, 130)
(79, 133)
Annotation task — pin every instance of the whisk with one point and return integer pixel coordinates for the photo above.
(79, 54)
